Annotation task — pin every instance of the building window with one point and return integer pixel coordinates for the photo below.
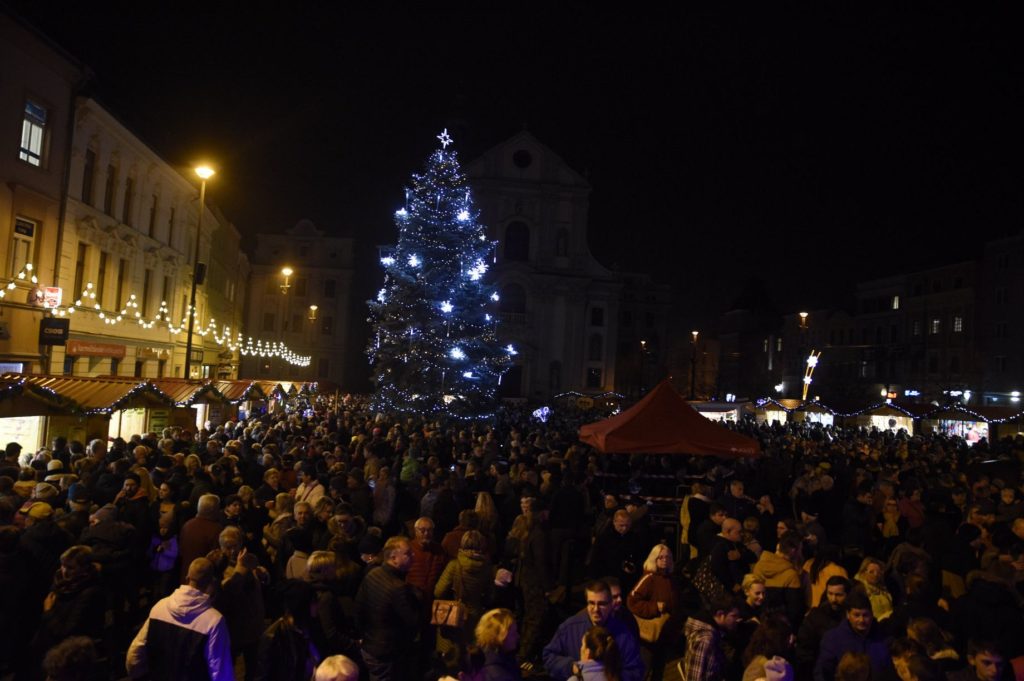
(594, 378)
(327, 326)
(895, 302)
(1002, 330)
(161, 368)
(147, 287)
(22, 245)
(122, 272)
(126, 208)
(517, 242)
(88, 176)
(170, 228)
(109, 190)
(139, 365)
(323, 368)
(33, 133)
(954, 365)
(268, 321)
(933, 364)
(69, 365)
(83, 254)
(597, 316)
(778, 345)
(101, 278)
(595, 348)
(935, 326)
(958, 324)
(329, 288)
(115, 365)
(152, 216)
(562, 243)
(916, 328)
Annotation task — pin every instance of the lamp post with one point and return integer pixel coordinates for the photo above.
(693, 367)
(643, 358)
(204, 173)
(287, 273)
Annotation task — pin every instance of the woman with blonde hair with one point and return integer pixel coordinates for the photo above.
(493, 657)
(656, 602)
(871, 576)
(487, 512)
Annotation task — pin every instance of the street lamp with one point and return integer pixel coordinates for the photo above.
(313, 312)
(204, 173)
(286, 272)
(693, 367)
(643, 358)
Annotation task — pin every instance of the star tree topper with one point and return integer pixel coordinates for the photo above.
(445, 138)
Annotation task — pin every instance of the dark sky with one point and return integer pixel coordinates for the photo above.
(811, 149)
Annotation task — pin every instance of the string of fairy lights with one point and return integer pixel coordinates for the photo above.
(86, 302)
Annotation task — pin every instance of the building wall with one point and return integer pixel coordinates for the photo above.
(560, 308)
(131, 231)
(31, 70)
(322, 276)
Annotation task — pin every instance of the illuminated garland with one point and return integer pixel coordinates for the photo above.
(434, 348)
(130, 313)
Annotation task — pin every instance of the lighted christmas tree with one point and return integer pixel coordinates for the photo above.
(433, 345)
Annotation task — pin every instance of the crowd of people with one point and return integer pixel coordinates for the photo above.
(328, 542)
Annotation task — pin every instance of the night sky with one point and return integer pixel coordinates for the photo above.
(811, 150)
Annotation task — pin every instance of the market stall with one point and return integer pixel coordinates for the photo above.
(769, 410)
(886, 416)
(814, 412)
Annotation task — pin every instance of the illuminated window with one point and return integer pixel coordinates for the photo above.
(935, 326)
(778, 345)
(958, 324)
(916, 328)
(895, 302)
(33, 133)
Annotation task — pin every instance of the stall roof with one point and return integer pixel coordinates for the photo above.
(238, 391)
(101, 394)
(34, 400)
(663, 423)
(958, 412)
(185, 393)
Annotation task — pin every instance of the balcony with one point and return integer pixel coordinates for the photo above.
(512, 318)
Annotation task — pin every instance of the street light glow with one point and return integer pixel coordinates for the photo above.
(287, 271)
(205, 172)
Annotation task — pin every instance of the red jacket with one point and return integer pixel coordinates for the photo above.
(428, 562)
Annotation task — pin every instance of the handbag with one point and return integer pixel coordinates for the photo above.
(706, 582)
(450, 613)
(650, 628)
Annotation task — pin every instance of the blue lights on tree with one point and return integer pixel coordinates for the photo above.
(434, 347)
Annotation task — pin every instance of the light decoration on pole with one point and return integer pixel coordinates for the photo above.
(433, 347)
(812, 363)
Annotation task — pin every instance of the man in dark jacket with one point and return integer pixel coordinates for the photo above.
(990, 610)
(858, 633)
(388, 614)
(821, 618)
(619, 551)
(730, 559)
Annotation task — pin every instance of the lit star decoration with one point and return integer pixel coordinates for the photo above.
(435, 284)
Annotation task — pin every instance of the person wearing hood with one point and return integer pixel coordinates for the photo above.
(469, 579)
(184, 637)
(990, 610)
(781, 571)
(75, 605)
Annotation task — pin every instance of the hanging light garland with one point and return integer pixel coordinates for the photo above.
(86, 302)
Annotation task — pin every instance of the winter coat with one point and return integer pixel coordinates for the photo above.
(990, 611)
(387, 612)
(286, 653)
(843, 639)
(592, 670)
(198, 537)
(183, 638)
(497, 666)
(653, 588)
(78, 610)
(817, 622)
(428, 562)
(564, 648)
(704, 659)
(783, 585)
(469, 578)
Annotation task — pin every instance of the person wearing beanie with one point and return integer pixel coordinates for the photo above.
(76, 518)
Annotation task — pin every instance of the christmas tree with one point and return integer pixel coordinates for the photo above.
(433, 346)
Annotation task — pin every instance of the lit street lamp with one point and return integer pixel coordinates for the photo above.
(204, 173)
(693, 367)
(313, 312)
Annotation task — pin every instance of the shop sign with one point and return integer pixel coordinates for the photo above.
(54, 331)
(585, 403)
(52, 296)
(159, 419)
(78, 348)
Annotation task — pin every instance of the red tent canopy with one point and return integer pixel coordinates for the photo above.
(663, 423)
